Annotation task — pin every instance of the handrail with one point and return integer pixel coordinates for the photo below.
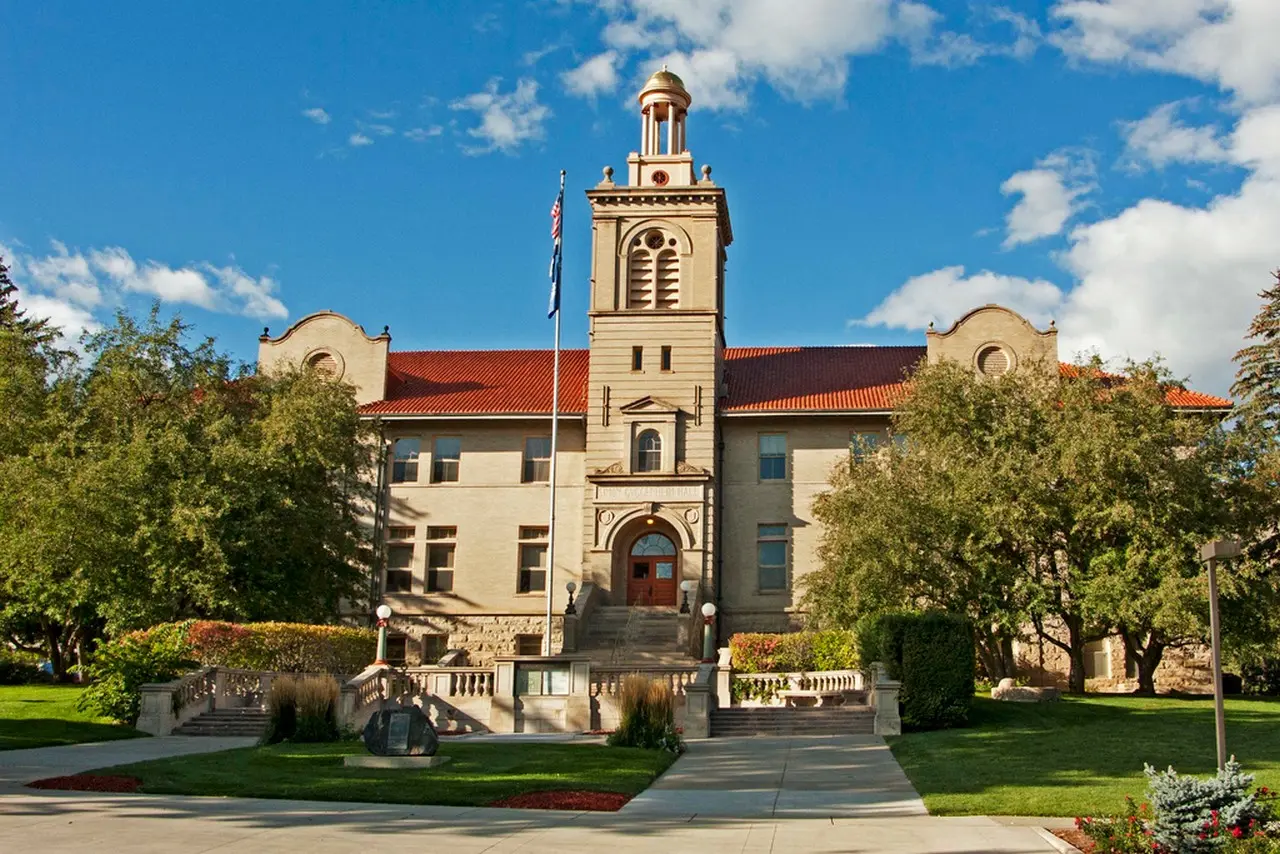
(606, 681)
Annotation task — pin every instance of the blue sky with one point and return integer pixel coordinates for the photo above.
(1113, 165)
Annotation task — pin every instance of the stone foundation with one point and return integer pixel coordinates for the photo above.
(483, 636)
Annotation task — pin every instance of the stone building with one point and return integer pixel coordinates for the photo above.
(680, 458)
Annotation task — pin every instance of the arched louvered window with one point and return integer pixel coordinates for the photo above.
(653, 272)
(325, 363)
(649, 451)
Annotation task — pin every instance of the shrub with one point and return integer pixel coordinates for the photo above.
(932, 655)
(792, 652)
(647, 716)
(834, 650)
(1193, 814)
(20, 668)
(122, 666)
(302, 709)
(1125, 834)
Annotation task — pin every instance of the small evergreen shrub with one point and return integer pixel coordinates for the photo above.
(1194, 814)
(932, 655)
(647, 711)
(302, 709)
(122, 666)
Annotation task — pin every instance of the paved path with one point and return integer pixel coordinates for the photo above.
(852, 776)
(18, 767)
(816, 794)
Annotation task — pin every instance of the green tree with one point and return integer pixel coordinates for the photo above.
(164, 483)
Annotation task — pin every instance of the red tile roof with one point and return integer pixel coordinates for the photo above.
(760, 379)
(481, 382)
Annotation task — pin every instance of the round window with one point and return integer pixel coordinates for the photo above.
(654, 240)
(661, 178)
(993, 361)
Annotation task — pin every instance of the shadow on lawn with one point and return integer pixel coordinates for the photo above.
(24, 733)
(1083, 741)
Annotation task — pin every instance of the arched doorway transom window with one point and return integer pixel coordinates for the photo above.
(651, 570)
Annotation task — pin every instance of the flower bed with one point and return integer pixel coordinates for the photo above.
(565, 800)
(88, 783)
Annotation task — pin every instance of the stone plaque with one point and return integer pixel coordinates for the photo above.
(400, 731)
(671, 492)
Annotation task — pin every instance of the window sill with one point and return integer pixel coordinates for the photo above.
(781, 592)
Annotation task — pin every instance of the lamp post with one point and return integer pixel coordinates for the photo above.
(570, 608)
(685, 587)
(1210, 554)
(708, 636)
(384, 614)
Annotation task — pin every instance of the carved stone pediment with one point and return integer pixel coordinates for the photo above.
(615, 468)
(649, 405)
(688, 468)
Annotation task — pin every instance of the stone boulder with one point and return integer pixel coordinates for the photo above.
(1006, 690)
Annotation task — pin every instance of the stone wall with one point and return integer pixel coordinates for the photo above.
(1186, 669)
(484, 637)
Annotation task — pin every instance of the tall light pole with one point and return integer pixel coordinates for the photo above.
(383, 614)
(1210, 554)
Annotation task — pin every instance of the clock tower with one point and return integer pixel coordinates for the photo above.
(657, 341)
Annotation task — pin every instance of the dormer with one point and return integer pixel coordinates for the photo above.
(330, 342)
(994, 340)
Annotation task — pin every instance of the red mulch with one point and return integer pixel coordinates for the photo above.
(565, 800)
(598, 732)
(1076, 838)
(88, 783)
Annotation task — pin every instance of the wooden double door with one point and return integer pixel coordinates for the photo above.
(652, 570)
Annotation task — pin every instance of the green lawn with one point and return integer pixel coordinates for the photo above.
(480, 773)
(1080, 756)
(43, 715)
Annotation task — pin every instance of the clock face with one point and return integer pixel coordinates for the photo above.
(660, 178)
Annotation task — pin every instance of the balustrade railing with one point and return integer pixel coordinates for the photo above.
(607, 681)
(451, 681)
(764, 688)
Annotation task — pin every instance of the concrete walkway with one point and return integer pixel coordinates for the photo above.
(852, 776)
(18, 767)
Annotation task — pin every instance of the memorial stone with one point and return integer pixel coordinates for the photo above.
(400, 731)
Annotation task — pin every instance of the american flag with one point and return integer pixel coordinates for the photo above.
(554, 305)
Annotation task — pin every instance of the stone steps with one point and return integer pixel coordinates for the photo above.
(639, 636)
(251, 722)
(776, 721)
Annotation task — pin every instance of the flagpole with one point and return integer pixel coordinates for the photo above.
(555, 432)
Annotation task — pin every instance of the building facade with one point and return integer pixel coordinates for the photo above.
(680, 459)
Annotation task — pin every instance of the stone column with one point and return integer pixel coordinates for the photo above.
(502, 714)
(886, 693)
(724, 679)
(156, 714)
(697, 697)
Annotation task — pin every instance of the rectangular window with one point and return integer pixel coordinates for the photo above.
(528, 644)
(666, 358)
(533, 560)
(401, 532)
(537, 460)
(773, 456)
(444, 459)
(863, 445)
(397, 650)
(1097, 659)
(637, 358)
(399, 569)
(1130, 666)
(771, 556)
(434, 647)
(542, 680)
(440, 558)
(900, 441)
(404, 466)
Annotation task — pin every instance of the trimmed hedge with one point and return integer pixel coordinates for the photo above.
(163, 652)
(932, 655)
(796, 651)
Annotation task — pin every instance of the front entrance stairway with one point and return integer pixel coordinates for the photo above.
(249, 721)
(738, 721)
(637, 636)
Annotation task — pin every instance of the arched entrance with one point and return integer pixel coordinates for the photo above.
(652, 565)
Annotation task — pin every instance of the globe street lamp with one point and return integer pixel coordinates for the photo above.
(708, 635)
(383, 614)
(570, 608)
(685, 587)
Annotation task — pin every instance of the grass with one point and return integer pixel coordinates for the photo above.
(45, 715)
(1082, 755)
(480, 773)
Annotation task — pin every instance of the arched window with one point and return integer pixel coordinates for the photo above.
(325, 363)
(653, 544)
(653, 271)
(649, 451)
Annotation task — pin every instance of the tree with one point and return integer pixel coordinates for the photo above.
(1073, 502)
(164, 483)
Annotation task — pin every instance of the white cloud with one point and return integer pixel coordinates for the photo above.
(944, 295)
(317, 115)
(929, 45)
(382, 115)
(376, 129)
(598, 75)
(507, 121)
(1156, 278)
(1050, 196)
(69, 286)
(1227, 42)
(423, 134)
(358, 140)
(1161, 138)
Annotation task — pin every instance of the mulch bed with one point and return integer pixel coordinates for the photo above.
(88, 783)
(565, 800)
(1075, 837)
